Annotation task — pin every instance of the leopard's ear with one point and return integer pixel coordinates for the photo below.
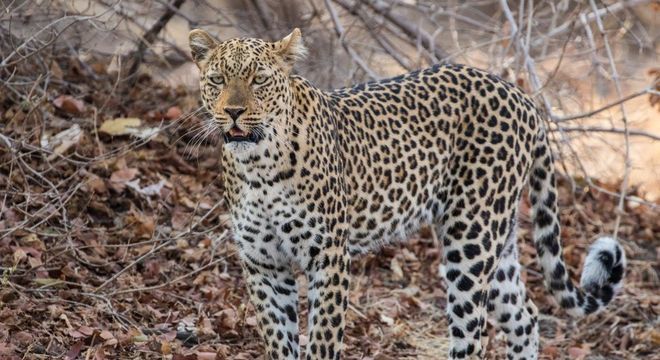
(291, 48)
(201, 44)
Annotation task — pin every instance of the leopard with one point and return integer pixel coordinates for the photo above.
(314, 178)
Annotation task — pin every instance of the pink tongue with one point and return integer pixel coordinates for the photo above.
(237, 132)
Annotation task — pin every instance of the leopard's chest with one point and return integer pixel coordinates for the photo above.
(271, 224)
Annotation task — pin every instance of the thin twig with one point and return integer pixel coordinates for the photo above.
(372, 28)
(560, 119)
(528, 60)
(339, 30)
(595, 129)
(591, 16)
(412, 31)
(624, 118)
(149, 38)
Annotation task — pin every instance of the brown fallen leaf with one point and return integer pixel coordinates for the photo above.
(106, 335)
(95, 184)
(86, 330)
(119, 178)
(19, 255)
(180, 219)
(173, 113)
(551, 352)
(577, 353)
(251, 321)
(204, 355)
(61, 142)
(143, 225)
(120, 126)
(228, 318)
(165, 348)
(184, 357)
(395, 266)
(655, 337)
(22, 338)
(56, 70)
(69, 104)
(99, 354)
(74, 351)
(6, 349)
(127, 126)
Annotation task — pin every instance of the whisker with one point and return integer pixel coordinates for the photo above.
(202, 133)
(192, 130)
(180, 121)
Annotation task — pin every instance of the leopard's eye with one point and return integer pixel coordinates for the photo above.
(259, 79)
(217, 79)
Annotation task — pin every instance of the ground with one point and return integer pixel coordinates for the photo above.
(115, 245)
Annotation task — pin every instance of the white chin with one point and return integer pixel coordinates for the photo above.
(240, 147)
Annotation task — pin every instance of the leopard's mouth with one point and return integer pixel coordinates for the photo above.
(237, 135)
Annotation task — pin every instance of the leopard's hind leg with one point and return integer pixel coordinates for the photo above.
(470, 253)
(510, 308)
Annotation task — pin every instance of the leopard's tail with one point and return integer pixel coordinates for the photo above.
(605, 262)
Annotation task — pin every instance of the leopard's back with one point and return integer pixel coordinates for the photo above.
(408, 140)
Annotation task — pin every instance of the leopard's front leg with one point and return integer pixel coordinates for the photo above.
(274, 294)
(328, 281)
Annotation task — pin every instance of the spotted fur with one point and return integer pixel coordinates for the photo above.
(313, 177)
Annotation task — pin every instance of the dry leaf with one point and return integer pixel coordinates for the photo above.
(106, 335)
(19, 255)
(204, 355)
(147, 191)
(180, 219)
(6, 349)
(96, 184)
(173, 113)
(74, 351)
(62, 141)
(23, 338)
(86, 330)
(127, 126)
(69, 104)
(119, 178)
(100, 353)
(228, 318)
(143, 226)
(551, 351)
(386, 319)
(577, 353)
(47, 281)
(120, 126)
(395, 266)
(655, 337)
(165, 348)
(56, 70)
(251, 321)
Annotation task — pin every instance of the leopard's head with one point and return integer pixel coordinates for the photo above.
(245, 85)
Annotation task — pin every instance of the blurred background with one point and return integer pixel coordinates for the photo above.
(113, 235)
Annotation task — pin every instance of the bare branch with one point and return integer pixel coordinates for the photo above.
(383, 41)
(412, 31)
(560, 119)
(339, 30)
(624, 117)
(593, 15)
(599, 129)
(149, 38)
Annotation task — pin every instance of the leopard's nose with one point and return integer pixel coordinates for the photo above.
(234, 112)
